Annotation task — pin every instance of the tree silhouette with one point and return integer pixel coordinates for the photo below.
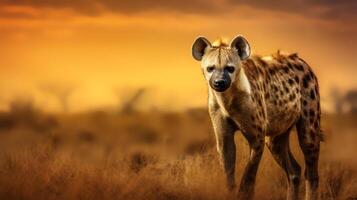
(59, 91)
(129, 99)
(337, 100)
(350, 100)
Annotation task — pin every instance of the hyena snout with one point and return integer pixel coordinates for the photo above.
(220, 83)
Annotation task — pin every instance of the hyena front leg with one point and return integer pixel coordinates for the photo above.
(224, 129)
(256, 145)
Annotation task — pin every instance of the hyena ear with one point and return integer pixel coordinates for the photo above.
(199, 47)
(242, 46)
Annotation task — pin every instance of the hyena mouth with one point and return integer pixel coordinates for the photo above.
(220, 80)
(220, 85)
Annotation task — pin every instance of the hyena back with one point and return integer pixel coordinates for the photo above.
(264, 98)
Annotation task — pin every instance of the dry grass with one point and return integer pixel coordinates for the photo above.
(102, 155)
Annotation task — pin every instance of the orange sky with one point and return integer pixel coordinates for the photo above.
(99, 47)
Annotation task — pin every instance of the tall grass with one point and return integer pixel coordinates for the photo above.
(103, 155)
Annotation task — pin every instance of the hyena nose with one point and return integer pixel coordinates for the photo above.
(219, 83)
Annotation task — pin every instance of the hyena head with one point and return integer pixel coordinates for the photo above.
(221, 62)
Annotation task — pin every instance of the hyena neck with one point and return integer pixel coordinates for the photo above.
(242, 82)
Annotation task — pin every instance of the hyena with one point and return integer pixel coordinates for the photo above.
(264, 98)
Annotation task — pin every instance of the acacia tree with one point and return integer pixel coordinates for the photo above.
(129, 99)
(337, 100)
(61, 92)
(351, 100)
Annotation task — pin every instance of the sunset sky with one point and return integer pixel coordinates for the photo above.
(100, 47)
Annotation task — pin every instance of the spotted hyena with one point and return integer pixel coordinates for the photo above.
(264, 98)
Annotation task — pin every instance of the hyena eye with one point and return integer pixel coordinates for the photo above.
(230, 69)
(210, 69)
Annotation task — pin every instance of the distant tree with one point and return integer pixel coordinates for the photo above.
(23, 105)
(61, 92)
(129, 99)
(351, 100)
(337, 100)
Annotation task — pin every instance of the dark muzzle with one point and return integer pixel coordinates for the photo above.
(220, 81)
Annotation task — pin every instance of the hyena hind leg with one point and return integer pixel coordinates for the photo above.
(309, 140)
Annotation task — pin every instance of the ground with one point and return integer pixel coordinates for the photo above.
(148, 155)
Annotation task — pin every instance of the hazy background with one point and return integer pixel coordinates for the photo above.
(101, 49)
